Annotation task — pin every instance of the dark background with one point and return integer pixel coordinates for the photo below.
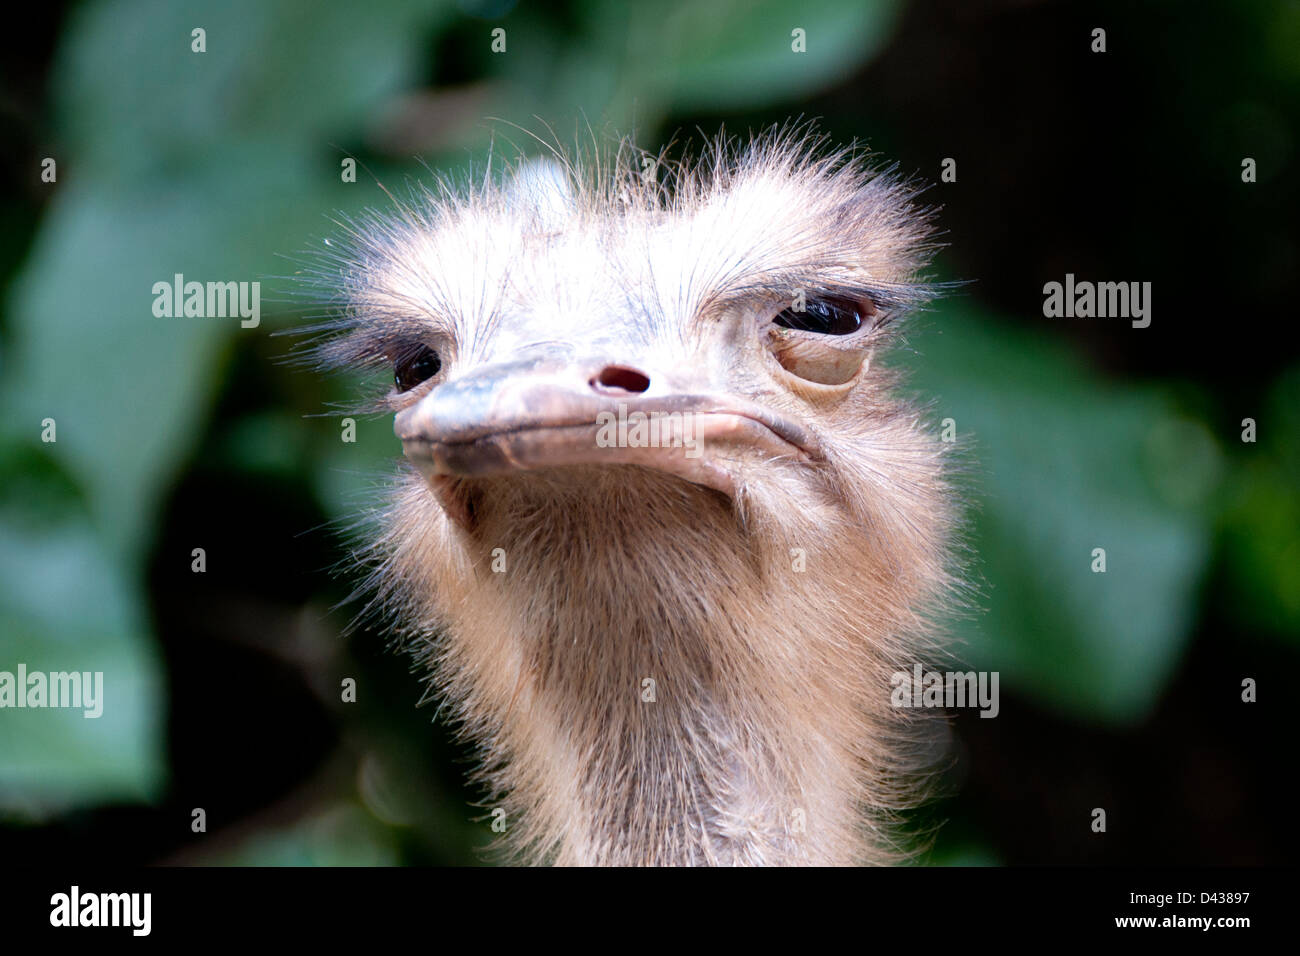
(1120, 691)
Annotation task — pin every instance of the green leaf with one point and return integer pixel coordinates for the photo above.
(65, 606)
(129, 390)
(1261, 523)
(136, 101)
(1066, 463)
(738, 54)
(210, 165)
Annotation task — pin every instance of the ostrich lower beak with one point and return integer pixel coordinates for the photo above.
(529, 415)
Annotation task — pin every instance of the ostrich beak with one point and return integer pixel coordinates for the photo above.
(521, 416)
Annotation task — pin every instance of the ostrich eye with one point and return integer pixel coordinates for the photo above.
(825, 317)
(415, 366)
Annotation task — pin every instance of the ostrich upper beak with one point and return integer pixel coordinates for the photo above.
(519, 416)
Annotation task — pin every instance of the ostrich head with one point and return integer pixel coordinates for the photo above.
(665, 529)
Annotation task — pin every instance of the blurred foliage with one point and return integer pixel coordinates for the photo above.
(345, 835)
(226, 165)
(1261, 520)
(1068, 464)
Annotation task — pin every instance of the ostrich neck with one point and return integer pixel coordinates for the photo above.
(665, 762)
(656, 713)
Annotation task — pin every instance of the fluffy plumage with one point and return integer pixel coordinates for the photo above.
(769, 618)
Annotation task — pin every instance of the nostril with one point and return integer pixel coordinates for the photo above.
(619, 378)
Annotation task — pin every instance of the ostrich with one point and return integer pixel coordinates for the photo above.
(674, 646)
